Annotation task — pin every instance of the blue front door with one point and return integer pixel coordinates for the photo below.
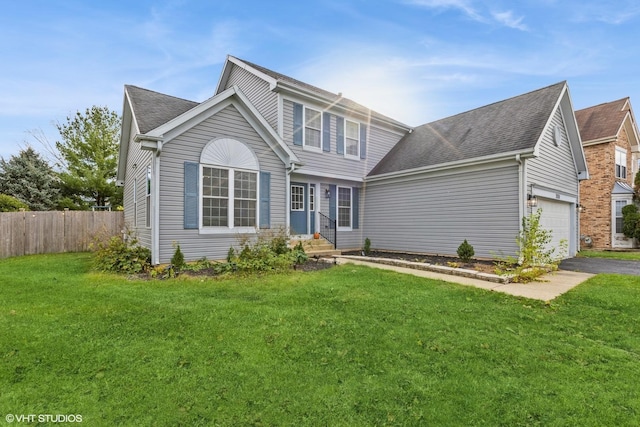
(299, 208)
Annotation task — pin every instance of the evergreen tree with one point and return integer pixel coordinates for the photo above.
(30, 179)
(89, 155)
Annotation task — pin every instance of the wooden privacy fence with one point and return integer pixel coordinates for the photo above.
(27, 233)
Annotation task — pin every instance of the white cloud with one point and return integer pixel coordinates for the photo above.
(461, 5)
(508, 20)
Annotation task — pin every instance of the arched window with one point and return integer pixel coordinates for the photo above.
(228, 186)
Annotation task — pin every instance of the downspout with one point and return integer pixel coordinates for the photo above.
(522, 189)
(155, 235)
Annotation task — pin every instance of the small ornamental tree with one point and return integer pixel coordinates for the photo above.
(465, 251)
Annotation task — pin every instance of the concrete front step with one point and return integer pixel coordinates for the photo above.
(315, 247)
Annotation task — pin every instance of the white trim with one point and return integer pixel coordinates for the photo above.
(332, 176)
(155, 209)
(550, 194)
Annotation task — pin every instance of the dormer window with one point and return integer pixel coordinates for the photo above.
(621, 163)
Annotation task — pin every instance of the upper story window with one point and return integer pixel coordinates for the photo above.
(621, 163)
(352, 139)
(312, 128)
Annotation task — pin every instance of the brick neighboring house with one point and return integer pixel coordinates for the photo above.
(610, 139)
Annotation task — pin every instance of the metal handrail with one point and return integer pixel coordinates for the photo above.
(328, 229)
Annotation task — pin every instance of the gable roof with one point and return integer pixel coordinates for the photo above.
(152, 109)
(602, 122)
(281, 82)
(514, 126)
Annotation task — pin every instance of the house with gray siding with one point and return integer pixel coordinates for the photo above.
(269, 152)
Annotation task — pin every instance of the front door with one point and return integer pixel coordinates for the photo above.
(299, 208)
(618, 239)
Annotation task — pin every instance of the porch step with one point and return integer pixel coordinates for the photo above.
(316, 247)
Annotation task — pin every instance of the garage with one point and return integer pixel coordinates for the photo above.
(556, 217)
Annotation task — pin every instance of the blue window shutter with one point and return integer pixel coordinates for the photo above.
(297, 124)
(340, 135)
(191, 195)
(363, 141)
(265, 200)
(326, 132)
(355, 196)
(333, 196)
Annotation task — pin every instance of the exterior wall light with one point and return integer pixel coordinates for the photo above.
(532, 201)
(581, 208)
(327, 193)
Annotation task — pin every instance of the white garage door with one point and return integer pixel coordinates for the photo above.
(556, 217)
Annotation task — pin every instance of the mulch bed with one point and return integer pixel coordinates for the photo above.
(484, 266)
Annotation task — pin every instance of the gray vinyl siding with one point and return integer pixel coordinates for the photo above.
(435, 214)
(346, 239)
(379, 142)
(141, 159)
(187, 148)
(554, 168)
(258, 92)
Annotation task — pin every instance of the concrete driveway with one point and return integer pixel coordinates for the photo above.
(601, 265)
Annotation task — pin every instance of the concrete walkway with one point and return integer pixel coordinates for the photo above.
(552, 286)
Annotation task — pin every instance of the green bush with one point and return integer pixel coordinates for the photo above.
(465, 251)
(11, 204)
(534, 257)
(177, 260)
(367, 247)
(119, 256)
(631, 221)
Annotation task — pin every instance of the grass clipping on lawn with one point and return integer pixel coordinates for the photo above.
(345, 346)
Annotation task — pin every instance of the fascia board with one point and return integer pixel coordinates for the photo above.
(511, 155)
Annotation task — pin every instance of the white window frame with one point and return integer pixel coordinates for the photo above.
(305, 145)
(621, 163)
(299, 203)
(312, 198)
(342, 227)
(230, 227)
(357, 139)
(615, 214)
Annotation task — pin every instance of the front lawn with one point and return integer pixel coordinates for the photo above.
(630, 255)
(348, 346)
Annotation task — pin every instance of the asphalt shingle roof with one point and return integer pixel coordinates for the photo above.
(602, 121)
(514, 124)
(152, 109)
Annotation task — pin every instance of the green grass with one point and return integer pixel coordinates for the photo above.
(349, 346)
(632, 255)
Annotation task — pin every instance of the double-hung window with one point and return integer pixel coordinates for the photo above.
(229, 197)
(344, 207)
(312, 129)
(352, 139)
(621, 163)
(619, 205)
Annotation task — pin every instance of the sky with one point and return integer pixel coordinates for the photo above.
(414, 60)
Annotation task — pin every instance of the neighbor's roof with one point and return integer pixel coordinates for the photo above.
(602, 121)
(152, 109)
(334, 99)
(512, 125)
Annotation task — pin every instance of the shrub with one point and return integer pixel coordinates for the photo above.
(177, 260)
(465, 251)
(119, 256)
(534, 257)
(11, 204)
(631, 221)
(367, 247)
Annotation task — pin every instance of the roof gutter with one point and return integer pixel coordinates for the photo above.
(452, 165)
